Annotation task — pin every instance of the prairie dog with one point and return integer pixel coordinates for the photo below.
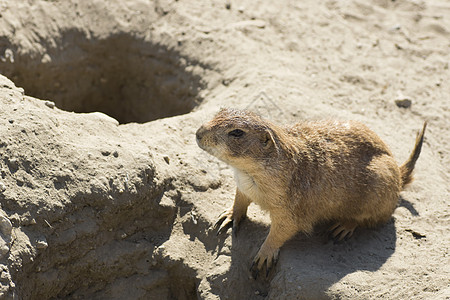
(304, 174)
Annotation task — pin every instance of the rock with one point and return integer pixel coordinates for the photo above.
(50, 104)
(5, 234)
(248, 24)
(5, 225)
(403, 102)
(4, 248)
(41, 243)
(8, 56)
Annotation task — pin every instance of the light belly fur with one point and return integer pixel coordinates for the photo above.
(247, 185)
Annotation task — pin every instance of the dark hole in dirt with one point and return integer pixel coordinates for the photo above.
(123, 76)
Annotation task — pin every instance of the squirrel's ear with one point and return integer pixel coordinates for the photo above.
(267, 139)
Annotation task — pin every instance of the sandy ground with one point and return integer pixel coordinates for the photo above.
(104, 193)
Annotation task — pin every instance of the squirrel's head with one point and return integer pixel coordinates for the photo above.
(238, 137)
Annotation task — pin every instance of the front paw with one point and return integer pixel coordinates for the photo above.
(227, 220)
(266, 256)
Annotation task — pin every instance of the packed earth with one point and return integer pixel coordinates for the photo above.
(104, 193)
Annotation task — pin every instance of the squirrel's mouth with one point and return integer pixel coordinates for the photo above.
(214, 151)
(211, 150)
(204, 147)
(199, 143)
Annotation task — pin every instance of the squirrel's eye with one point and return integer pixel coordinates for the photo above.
(236, 133)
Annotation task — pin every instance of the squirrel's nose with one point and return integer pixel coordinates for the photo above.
(200, 133)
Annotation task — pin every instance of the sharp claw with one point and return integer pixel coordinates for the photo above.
(219, 222)
(347, 236)
(255, 273)
(253, 264)
(337, 236)
(275, 260)
(254, 268)
(341, 232)
(334, 233)
(342, 236)
(220, 231)
(337, 239)
(224, 227)
(334, 227)
(268, 270)
(217, 227)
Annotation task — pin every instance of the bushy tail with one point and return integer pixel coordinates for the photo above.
(407, 168)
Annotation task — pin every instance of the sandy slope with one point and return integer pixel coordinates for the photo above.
(93, 209)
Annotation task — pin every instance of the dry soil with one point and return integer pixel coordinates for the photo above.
(104, 193)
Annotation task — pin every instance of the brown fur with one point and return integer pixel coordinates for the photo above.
(407, 168)
(305, 174)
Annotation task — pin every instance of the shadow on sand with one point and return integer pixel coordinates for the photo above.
(308, 265)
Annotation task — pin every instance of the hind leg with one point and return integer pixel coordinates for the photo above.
(342, 231)
(374, 201)
(385, 186)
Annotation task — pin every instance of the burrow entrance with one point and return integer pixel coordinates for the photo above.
(123, 76)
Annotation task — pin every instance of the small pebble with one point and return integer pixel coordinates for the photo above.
(194, 217)
(396, 27)
(41, 243)
(5, 225)
(226, 82)
(46, 59)
(248, 24)
(9, 55)
(2, 187)
(403, 103)
(166, 159)
(50, 104)
(13, 163)
(4, 249)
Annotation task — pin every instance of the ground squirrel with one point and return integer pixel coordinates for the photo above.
(311, 172)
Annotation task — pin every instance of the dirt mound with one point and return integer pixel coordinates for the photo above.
(104, 193)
